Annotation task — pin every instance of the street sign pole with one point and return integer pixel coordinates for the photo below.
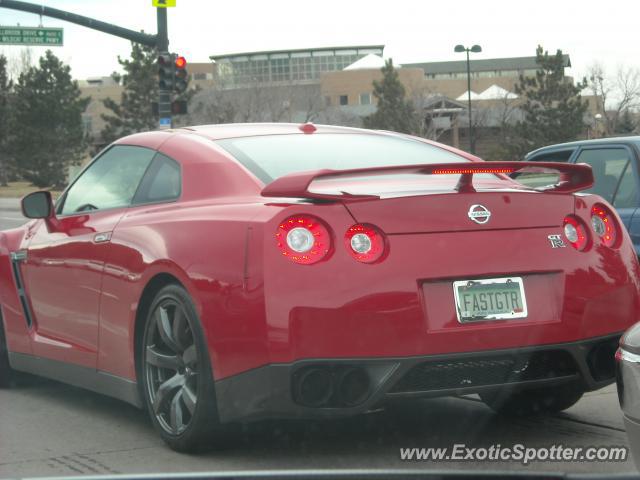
(164, 95)
(88, 22)
(160, 41)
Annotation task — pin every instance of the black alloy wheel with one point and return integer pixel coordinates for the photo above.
(177, 380)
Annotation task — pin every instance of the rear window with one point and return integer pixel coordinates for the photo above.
(271, 157)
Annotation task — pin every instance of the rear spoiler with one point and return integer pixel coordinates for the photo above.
(572, 177)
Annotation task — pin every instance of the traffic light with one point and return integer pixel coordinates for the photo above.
(172, 72)
(179, 107)
(166, 71)
(180, 74)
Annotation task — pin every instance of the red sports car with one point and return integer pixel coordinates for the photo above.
(229, 273)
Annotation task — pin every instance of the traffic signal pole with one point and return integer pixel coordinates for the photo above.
(164, 95)
(132, 35)
(160, 41)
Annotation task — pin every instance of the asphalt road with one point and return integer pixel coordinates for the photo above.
(51, 429)
(10, 215)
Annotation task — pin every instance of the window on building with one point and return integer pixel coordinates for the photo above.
(301, 68)
(280, 69)
(344, 99)
(199, 76)
(365, 99)
(327, 100)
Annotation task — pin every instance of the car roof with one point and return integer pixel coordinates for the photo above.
(233, 130)
(154, 139)
(580, 143)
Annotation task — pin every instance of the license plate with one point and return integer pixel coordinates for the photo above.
(490, 299)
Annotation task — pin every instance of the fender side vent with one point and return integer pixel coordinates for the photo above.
(16, 258)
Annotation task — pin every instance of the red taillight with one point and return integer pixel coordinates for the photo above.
(576, 232)
(366, 243)
(303, 239)
(460, 171)
(604, 225)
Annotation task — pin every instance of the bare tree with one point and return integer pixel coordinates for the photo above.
(210, 106)
(257, 102)
(19, 62)
(497, 116)
(616, 94)
(339, 116)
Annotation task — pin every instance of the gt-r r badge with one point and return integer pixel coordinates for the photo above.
(556, 241)
(479, 214)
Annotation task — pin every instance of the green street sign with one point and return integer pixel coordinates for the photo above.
(46, 37)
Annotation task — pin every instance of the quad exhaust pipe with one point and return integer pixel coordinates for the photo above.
(331, 386)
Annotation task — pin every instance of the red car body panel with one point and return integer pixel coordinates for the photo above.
(258, 308)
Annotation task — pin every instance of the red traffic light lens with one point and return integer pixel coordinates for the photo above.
(181, 62)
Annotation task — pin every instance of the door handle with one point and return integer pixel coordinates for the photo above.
(102, 237)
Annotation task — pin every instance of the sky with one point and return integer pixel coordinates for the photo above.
(411, 30)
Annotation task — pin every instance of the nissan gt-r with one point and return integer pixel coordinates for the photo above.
(224, 274)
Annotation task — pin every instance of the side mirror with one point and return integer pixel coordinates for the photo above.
(38, 205)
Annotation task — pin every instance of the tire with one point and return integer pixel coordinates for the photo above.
(177, 381)
(532, 402)
(6, 374)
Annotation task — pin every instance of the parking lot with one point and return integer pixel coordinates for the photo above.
(51, 429)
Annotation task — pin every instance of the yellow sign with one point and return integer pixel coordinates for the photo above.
(163, 3)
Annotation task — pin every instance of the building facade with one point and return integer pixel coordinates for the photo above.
(286, 66)
(335, 85)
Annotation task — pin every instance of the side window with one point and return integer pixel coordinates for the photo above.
(110, 181)
(556, 156)
(536, 180)
(608, 165)
(627, 194)
(162, 182)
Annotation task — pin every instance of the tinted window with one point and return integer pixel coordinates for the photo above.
(270, 157)
(608, 165)
(627, 194)
(557, 156)
(162, 182)
(110, 181)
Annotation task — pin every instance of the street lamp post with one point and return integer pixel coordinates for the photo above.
(596, 131)
(474, 49)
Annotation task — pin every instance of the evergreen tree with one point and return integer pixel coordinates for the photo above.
(626, 125)
(393, 111)
(140, 81)
(48, 133)
(553, 108)
(5, 128)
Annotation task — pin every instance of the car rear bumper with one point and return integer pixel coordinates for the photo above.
(633, 434)
(322, 388)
